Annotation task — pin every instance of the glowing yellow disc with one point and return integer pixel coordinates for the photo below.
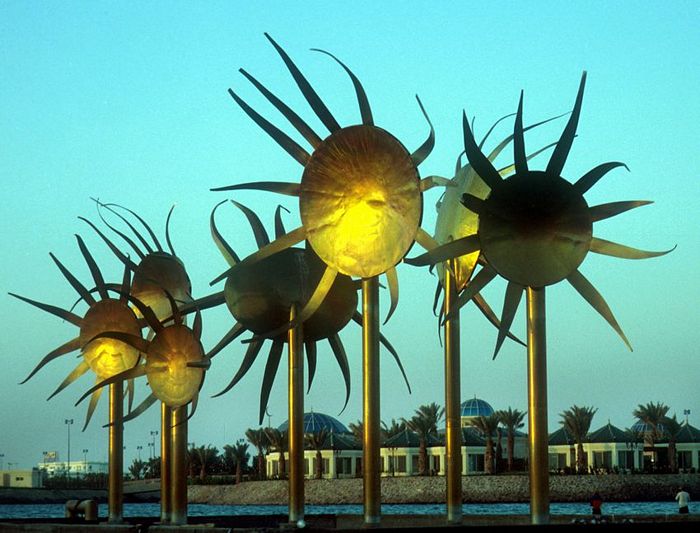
(171, 380)
(360, 201)
(535, 229)
(158, 271)
(108, 357)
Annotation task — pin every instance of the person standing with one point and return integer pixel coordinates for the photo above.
(683, 498)
(596, 504)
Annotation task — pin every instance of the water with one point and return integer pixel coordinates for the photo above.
(153, 509)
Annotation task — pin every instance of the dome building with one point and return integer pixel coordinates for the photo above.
(473, 408)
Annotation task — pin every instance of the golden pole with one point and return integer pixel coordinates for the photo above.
(537, 406)
(116, 452)
(178, 468)
(165, 461)
(453, 425)
(296, 422)
(371, 458)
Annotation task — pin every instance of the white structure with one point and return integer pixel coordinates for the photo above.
(74, 468)
(33, 478)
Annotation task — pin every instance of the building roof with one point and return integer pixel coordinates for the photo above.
(476, 407)
(561, 437)
(340, 441)
(610, 433)
(472, 437)
(409, 439)
(315, 422)
(688, 433)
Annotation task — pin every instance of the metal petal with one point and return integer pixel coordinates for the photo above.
(393, 282)
(603, 211)
(75, 374)
(150, 400)
(601, 246)
(561, 152)
(61, 313)
(91, 408)
(593, 297)
(289, 189)
(450, 250)
(227, 339)
(342, 358)
(248, 360)
(479, 162)
(68, 347)
(261, 237)
(514, 294)
(79, 287)
(591, 177)
(519, 140)
(226, 250)
(273, 362)
(279, 225)
(116, 251)
(424, 149)
(310, 349)
(94, 269)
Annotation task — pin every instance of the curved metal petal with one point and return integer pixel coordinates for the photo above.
(273, 363)
(514, 293)
(287, 188)
(342, 359)
(593, 297)
(129, 373)
(561, 152)
(68, 347)
(279, 225)
(75, 374)
(116, 251)
(150, 400)
(519, 140)
(167, 231)
(248, 360)
(363, 103)
(311, 96)
(295, 120)
(310, 349)
(424, 149)
(591, 177)
(94, 269)
(57, 311)
(393, 282)
(479, 162)
(450, 250)
(79, 287)
(285, 141)
(261, 237)
(226, 250)
(227, 339)
(603, 211)
(601, 246)
(483, 278)
(91, 408)
(126, 221)
(486, 310)
(143, 223)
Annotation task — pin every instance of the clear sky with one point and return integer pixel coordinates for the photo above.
(130, 105)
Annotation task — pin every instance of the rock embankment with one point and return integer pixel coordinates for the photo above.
(479, 489)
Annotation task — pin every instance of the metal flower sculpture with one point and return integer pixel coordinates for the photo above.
(260, 297)
(174, 360)
(360, 195)
(157, 270)
(105, 357)
(535, 229)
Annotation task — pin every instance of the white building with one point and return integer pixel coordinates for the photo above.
(74, 468)
(33, 478)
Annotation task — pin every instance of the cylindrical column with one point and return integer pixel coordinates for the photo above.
(371, 458)
(178, 468)
(116, 452)
(453, 425)
(537, 406)
(166, 414)
(296, 422)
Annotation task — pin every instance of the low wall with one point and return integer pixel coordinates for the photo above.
(482, 489)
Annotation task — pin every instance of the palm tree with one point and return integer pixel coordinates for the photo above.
(315, 441)
(652, 414)
(258, 439)
(424, 423)
(138, 469)
(577, 422)
(279, 442)
(207, 457)
(487, 426)
(673, 428)
(238, 455)
(512, 419)
(357, 429)
(394, 429)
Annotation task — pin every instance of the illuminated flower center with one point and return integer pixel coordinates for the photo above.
(105, 356)
(360, 201)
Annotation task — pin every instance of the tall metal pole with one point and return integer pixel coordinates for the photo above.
(537, 406)
(453, 425)
(371, 458)
(296, 422)
(166, 414)
(115, 499)
(178, 469)
(69, 423)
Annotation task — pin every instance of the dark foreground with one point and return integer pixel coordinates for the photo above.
(220, 524)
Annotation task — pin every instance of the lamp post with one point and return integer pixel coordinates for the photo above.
(151, 451)
(85, 465)
(138, 451)
(2, 459)
(154, 434)
(69, 423)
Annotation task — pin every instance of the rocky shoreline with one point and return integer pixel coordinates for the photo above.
(476, 489)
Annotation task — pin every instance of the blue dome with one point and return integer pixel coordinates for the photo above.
(314, 422)
(476, 407)
(642, 427)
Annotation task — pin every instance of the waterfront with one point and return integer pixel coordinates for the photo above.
(662, 509)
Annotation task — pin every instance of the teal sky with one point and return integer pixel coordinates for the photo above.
(130, 105)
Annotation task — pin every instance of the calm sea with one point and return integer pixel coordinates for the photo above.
(153, 509)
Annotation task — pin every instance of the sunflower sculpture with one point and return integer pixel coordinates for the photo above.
(174, 360)
(157, 270)
(360, 195)
(535, 227)
(260, 297)
(105, 357)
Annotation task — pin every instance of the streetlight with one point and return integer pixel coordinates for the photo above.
(686, 412)
(69, 423)
(85, 451)
(154, 434)
(2, 459)
(138, 450)
(150, 450)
